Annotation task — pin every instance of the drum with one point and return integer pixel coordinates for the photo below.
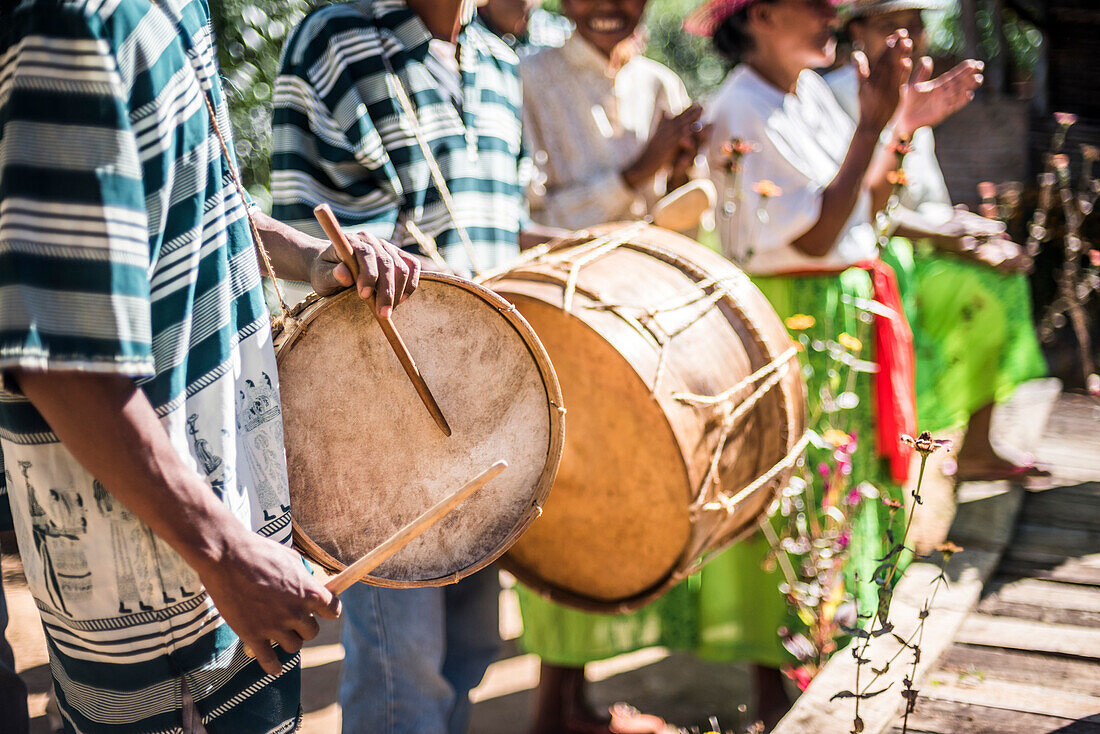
(364, 456)
(686, 412)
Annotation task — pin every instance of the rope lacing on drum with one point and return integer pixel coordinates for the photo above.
(729, 503)
(774, 371)
(653, 328)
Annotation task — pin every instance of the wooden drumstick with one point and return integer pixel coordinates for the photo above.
(344, 580)
(343, 248)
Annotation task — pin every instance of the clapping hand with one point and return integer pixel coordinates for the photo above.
(928, 102)
(880, 85)
(663, 147)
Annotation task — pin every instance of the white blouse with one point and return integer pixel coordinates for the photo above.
(926, 191)
(801, 140)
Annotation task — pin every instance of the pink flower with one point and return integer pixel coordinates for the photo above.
(854, 497)
(1094, 258)
(1065, 119)
(843, 462)
(845, 539)
(800, 675)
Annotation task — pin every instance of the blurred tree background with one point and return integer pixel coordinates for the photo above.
(250, 36)
(251, 33)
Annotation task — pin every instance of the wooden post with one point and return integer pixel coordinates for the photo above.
(997, 71)
(968, 19)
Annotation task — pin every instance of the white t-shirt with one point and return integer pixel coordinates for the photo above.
(801, 141)
(926, 192)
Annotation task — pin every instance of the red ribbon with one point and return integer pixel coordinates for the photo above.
(894, 385)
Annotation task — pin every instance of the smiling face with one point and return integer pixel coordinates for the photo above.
(604, 23)
(802, 32)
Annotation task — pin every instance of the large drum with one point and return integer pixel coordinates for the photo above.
(686, 412)
(364, 455)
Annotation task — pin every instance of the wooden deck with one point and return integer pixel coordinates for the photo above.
(1027, 658)
(1013, 645)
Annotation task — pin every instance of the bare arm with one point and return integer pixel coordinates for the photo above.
(840, 196)
(879, 94)
(384, 267)
(260, 587)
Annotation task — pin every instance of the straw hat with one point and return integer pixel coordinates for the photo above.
(706, 18)
(865, 8)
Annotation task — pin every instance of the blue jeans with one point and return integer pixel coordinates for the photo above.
(411, 656)
(13, 691)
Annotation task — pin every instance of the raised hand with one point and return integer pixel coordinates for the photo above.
(385, 271)
(928, 102)
(880, 85)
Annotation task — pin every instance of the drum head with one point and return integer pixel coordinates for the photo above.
(364, 455)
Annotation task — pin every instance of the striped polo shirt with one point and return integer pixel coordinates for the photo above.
(342, 137)
(124, 250)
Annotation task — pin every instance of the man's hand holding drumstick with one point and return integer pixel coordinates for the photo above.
(387, 273)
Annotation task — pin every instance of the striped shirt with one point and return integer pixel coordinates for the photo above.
(124, 250)
(342, 137)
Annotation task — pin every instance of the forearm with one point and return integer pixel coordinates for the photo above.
(912, 225)
(884, 163)
(292, 252)
(839, 198)
(108, 425)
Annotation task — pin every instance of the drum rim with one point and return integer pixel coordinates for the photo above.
(285, 335)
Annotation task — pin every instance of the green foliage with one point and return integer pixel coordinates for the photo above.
(689, 56)
(249, 39)
(1023, 39)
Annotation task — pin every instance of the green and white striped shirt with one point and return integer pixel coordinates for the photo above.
(341, 136)
(124, 249)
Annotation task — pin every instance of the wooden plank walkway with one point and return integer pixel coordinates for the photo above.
(1013, 644)
(1027, 658)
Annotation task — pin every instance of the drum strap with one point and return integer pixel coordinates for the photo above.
(423, 240)
(236, 176)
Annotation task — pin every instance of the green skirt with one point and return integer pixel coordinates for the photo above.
(569, 637)
(732, 609)
(739, 606)
(972, 332)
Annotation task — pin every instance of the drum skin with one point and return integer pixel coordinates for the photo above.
(627, 519)
(364, 456)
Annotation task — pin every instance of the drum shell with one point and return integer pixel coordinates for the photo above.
(714, 349)
(382, 421)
